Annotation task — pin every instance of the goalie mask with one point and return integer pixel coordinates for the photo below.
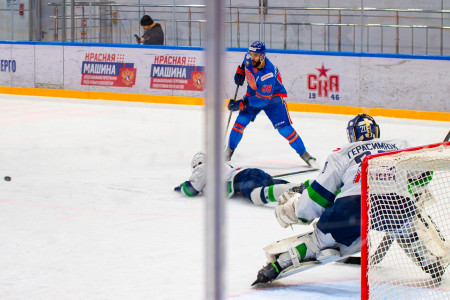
(198, 159)
(362, 128)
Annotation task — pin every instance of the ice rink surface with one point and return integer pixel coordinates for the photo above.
(90, 211)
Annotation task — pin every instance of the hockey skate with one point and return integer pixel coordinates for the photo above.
(311, 161)
(228, 154)
(268, 273)
(287, 265)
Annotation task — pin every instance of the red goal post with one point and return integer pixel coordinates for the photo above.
(403, 271)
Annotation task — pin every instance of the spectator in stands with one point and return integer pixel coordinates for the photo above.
(153, 33)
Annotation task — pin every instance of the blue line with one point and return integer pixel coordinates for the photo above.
(235, 49)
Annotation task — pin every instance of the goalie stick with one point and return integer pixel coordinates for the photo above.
(387, 240)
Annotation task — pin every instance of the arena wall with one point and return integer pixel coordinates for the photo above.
(405, 86)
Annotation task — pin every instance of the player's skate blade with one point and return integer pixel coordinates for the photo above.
(267, 274)
(311, 161)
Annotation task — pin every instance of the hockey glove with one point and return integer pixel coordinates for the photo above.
(240, 104)
(285, 211)
(239, 77)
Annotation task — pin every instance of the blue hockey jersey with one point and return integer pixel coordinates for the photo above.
(263, 84)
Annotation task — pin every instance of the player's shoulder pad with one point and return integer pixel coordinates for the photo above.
(269, 65)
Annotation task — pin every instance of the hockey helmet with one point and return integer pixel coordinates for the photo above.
(257, 47)
(198, 159)
(362, 128)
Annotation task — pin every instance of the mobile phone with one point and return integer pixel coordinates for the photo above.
(136, 36)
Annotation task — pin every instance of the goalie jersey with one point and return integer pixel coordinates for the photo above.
(335, 195)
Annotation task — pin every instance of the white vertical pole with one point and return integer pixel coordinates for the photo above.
(215, 188)
(12, 22)
(442, 30)
(362, 25)
(90, 23)
(261, 21)
(31, 21)
(174, 41)
(63, 19)
(72, 21)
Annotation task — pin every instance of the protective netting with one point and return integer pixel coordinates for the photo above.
(409, 224)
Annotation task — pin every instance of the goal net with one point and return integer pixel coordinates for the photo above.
(405, 224)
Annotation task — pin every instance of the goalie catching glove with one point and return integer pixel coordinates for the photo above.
(286, 213)
(240, 104)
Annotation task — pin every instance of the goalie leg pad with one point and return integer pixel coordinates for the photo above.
(417, 251)
(274, 250)
(303, 247)
(294, 255)
(430, 235)
(328, 255)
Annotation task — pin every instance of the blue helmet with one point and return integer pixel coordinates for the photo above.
(362, 128)
(257, 47)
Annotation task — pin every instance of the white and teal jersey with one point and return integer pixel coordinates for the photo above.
(340, 176)
(197, 181)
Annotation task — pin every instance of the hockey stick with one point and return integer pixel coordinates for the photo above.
(231, 112)
(307, 170)
(387, 240)
(430, 224)
(382, 249)
(351, 260)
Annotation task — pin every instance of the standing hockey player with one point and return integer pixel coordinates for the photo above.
(265, 91)
(334, 197)
(255, 184)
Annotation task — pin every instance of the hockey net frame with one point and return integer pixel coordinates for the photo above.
(372, 266)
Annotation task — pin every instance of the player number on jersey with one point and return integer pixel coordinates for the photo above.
(267, 88)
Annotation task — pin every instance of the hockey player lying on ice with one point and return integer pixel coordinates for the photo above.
(334, 198)
(255, 184)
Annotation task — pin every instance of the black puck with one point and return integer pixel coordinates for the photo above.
(7, 178)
